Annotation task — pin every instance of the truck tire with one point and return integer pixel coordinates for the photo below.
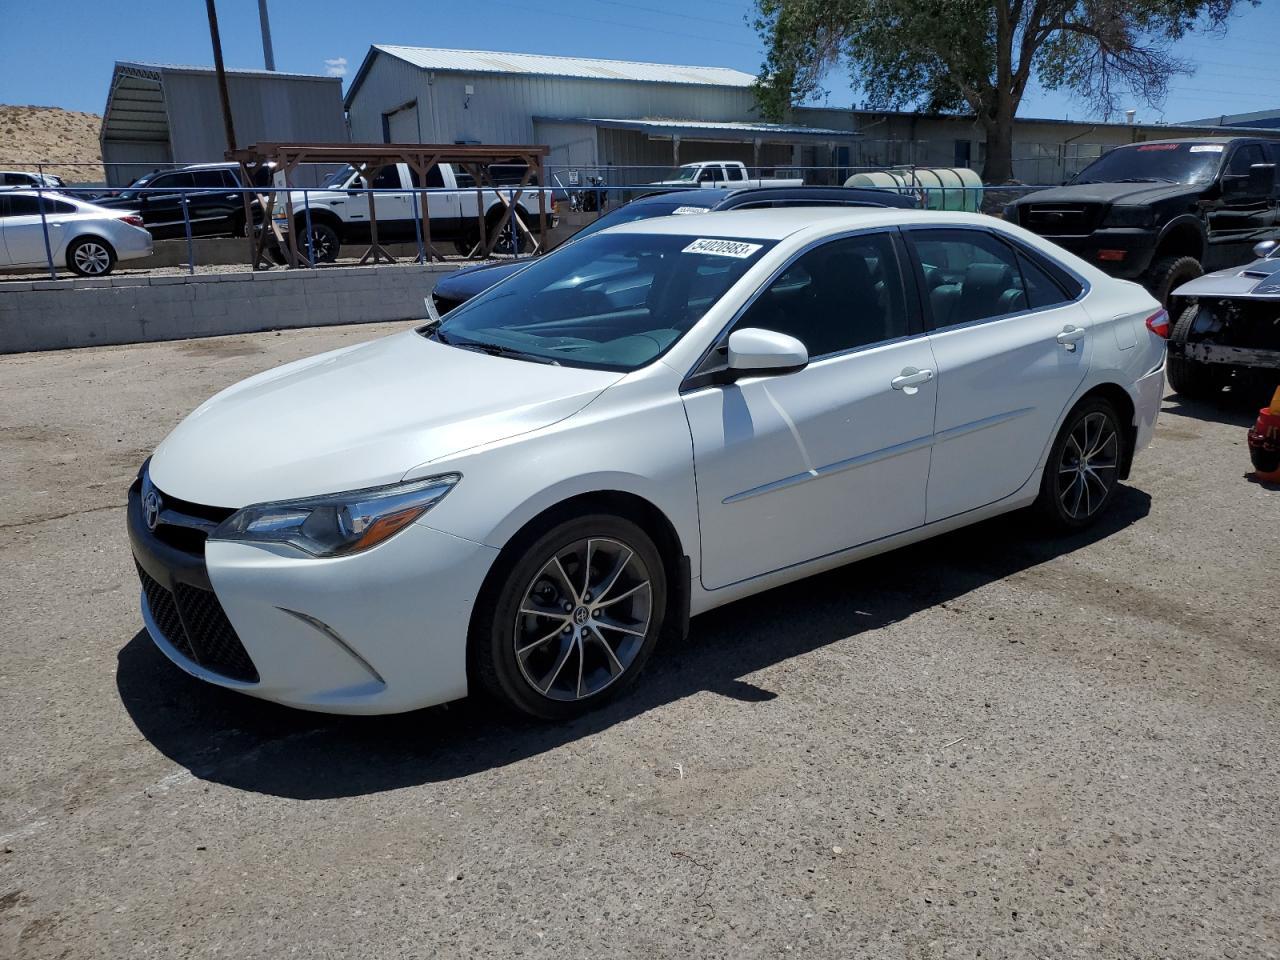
(504, 244)
(1191, 378)
(1169, 273)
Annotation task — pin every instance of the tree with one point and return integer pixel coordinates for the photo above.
(946, 55)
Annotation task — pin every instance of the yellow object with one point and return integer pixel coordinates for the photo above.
(1274, 409)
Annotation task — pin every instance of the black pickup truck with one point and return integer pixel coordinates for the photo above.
(1163, 212)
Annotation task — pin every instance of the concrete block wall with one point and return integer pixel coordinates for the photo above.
(59, 314)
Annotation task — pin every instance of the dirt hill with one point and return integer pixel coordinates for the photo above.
(65, 141)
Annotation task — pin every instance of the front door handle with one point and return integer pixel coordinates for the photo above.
(910, 379)
(1070, 336)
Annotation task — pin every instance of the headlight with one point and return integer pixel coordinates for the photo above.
(340, 523)
(1122, 216)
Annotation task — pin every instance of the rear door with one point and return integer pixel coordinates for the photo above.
(24, 229)
(443, 205)
(1012, 345)
(214, 202)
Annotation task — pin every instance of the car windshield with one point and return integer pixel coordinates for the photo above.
(1156, 163)
(689, 174)
(339, 177)
(639, 211)
(611, 301)
(130, 193)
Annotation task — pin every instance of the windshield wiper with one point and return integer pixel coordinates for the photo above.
(498, 350)
(1144, 180)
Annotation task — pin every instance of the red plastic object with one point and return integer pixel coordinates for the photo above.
(1264, 441)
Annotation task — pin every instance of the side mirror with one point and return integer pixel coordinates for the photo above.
(756, 351)
(1264, 249)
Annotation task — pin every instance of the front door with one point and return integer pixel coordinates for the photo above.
(794, 467)
(1245, 211)
(22, 229)
(160, 203)
(1012, 347)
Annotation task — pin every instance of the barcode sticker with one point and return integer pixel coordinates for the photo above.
(1207, 148)
(681, 211)
(723, 248)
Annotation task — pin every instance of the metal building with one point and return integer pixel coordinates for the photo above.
(161, 114)
(592, 113)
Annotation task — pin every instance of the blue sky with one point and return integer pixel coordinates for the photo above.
(67, 63)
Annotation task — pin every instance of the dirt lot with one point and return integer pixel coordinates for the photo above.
(988, 745)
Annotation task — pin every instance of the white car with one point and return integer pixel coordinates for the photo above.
(82, 236)
(648, 423)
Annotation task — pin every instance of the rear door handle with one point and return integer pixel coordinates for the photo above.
(1070, 336)
(910, 380)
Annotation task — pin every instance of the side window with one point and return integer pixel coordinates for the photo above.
(208, 179)
(735, 173)
(969, 275)
(21, 206)
(172, 181)
(842, 295)
(388, 178)
(1244, 158)
(17, 179)
(435, 179)
(1041, 289)
(711, 174)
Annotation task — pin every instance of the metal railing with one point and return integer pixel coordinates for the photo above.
(579, 203)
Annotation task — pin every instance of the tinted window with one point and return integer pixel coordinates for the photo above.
(1154, 162)
(388, 178)
(173, 181)
(735, 173)
(435, 179)
(615, 301)
(1244, 158)
(710, 175)
(28, 206)
(1041, 289)
(841, 295)
(969, 275)
(209, 179)
(18, 179)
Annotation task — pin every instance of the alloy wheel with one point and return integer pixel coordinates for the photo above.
(1088, 469)
(92, 258)
(583, 619)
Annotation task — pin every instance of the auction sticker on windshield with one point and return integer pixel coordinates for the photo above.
(685, 211)
(1207, 148)
(723, 248)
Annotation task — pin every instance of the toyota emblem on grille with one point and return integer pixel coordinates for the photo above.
(151, 509)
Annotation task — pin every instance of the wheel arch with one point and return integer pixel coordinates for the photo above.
(1119, 398)
(1182, 236)
(623, 503)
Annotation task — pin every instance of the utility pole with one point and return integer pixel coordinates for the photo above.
(221, 70)
(268, 54)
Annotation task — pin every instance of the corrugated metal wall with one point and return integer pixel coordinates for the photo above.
(501, 107)
(280, 109)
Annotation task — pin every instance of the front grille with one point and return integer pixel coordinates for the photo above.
(1062, 219)
(194, 622)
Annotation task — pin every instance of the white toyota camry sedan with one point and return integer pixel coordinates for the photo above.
(662, 418)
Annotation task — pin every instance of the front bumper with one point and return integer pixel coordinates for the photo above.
(383, 631)
(1135, 246)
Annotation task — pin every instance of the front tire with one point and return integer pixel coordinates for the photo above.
(570, 617)
(1083, 470)
(1169, 273)
(1190, 378)
(91, 257)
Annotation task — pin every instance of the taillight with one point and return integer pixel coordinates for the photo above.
(132, 219)
(1158, 323)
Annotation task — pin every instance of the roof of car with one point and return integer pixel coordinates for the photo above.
(779, 222)
(1148, 143)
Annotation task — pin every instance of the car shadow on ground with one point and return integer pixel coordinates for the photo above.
(1229, 408)
(247, 744)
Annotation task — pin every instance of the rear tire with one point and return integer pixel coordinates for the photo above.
(505, 244)
(1084, 465)
(325, 242)
(90, 257)
(1191, 378)
(577, 649)
(1169, 273)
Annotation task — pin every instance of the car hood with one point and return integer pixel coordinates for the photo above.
(1257, 280)
(471, 281)
(360, 417)
(1113, 193)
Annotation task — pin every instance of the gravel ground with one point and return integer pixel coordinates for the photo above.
(987, 745)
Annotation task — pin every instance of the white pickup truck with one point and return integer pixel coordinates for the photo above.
(725, 174)
(339, 209)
